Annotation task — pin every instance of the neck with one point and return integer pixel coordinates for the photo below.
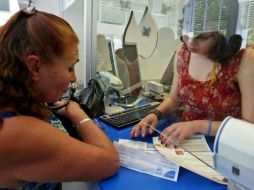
(200, 56)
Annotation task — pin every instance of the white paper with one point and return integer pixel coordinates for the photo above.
(142, 160)
(148, 147)
(198, 146)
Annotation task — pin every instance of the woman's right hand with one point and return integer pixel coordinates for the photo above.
(150, 119)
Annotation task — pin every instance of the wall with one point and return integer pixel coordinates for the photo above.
(111, 30)
(75, 16)
(52, 6)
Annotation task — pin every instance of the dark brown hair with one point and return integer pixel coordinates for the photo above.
(41, 34)
(224, 50)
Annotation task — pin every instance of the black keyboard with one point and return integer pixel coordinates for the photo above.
(129, 116)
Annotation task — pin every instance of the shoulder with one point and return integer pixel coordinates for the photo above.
(247, 63)
(23, 122)
(246, 67)
(182, 58)
(249, 54)
(27, 135)
(31, 146)
(183, 53)
(26, 129)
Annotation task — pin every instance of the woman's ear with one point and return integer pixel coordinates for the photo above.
(33, 65)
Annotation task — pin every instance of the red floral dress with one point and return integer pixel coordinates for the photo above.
(203, 100)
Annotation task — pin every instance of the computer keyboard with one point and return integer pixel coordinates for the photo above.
(128, 117)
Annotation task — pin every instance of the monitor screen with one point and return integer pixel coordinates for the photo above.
(103, 54)
(167, 77)
(112, 57)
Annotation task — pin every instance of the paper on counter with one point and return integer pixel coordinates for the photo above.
(136, 155)
(148, 147)
(198, 146)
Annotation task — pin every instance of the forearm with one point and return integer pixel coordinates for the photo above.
(168, 106)
(88, 130)
(202, 126)
(92, 134)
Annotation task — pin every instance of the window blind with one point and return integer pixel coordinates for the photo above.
(210, 15)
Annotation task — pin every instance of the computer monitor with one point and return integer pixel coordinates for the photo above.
(103, 54)
(128, 71)
(168, 74)
(112, 57)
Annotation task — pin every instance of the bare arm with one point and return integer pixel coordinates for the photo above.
(89, 131)
(35, 151)
(182, 130)
(179, 131)
(168, 106)
(246, 84)
(171, 103)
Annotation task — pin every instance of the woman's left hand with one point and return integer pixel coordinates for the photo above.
(73, 112)
(177, 132)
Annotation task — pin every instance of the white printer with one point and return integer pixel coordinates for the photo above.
(234, 153)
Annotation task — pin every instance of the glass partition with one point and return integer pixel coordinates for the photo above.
(157, 26)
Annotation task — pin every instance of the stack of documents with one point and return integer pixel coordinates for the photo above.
(143, 157)
(201, 163)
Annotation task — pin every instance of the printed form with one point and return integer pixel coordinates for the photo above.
(197, 146)
(143, 157)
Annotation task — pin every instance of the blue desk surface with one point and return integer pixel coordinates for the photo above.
(129, 179)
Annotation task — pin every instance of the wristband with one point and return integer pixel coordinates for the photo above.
(83, 121)
(209, 127)
(156, 112)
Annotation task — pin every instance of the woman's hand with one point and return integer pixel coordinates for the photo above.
(150, 119)
(177, 132)
(73, 112)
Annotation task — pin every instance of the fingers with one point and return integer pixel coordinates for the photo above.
(174, 134)
(171, 135)
(166, 137)
(142, 127)
(151, 129)
(135, 130)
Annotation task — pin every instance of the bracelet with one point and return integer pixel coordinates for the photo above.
(209, 127)
(83, 121)
(156, 112)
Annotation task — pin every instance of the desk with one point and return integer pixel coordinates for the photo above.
(127, 179)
